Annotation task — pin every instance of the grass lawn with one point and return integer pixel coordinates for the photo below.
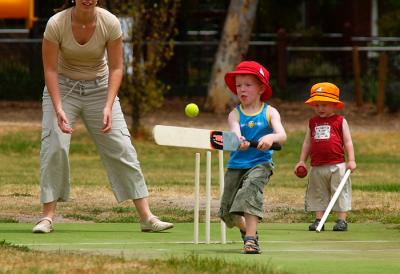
(365, 248)
(371, 246)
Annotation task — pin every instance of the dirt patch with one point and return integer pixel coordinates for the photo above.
(99, 202)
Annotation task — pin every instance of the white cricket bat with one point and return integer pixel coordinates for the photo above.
(199, 138)
(333, 200)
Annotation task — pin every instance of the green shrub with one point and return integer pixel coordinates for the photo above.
(17, 82)
(392, 99)
(314, 67)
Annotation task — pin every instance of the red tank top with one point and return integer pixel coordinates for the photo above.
(326, 140)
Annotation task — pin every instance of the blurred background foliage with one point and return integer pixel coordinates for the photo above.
(193, 42)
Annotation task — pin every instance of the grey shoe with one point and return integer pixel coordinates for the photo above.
(341, 225)
(44, 225)
(314, 225)
(154, 224)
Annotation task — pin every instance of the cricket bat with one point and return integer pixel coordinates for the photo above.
(200, 138)
(333, 200)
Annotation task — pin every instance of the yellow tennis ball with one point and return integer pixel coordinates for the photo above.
(191, 110)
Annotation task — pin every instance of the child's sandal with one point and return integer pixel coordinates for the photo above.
(243, 234)
(251, 245)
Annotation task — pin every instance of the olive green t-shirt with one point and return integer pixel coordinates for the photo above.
(87, 61)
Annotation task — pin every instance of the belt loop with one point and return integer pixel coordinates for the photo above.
(81, 89)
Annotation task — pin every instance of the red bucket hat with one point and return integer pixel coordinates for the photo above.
(254, 68)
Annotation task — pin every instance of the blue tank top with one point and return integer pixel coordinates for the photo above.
(252, 127)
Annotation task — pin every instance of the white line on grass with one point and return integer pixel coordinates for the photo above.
(270, 250)
(334, 250)
(190, 242)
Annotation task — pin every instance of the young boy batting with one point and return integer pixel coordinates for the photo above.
(249, 169)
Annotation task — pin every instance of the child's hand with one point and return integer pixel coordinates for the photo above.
(351, 165)
(300, 163)
(265, 142)
(245, 144)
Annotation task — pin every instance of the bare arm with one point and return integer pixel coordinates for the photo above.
(50, 53)
(233, 121)
(305, 150)
(279, 134)
(114, 54)
(348, 146)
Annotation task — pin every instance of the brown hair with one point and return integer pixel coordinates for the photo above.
(67, 4)
(71, 3)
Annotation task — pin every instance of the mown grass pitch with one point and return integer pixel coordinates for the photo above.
(365, 248)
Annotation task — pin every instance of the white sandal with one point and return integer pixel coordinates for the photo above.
(44, 225)
(154, 224)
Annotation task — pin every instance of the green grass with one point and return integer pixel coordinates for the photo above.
(287, 248)
(51, 262)
(19, 154)
(193, 264)
(7, 245)
(8, 220)
(165, 167)
(378, 187)
(20, 142)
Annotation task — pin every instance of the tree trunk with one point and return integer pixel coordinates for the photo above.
(139, 72)
(358, 94)
(231, 50)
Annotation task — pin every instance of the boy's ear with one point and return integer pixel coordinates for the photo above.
(261, 90)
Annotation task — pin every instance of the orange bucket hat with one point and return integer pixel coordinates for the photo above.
(254, 68)
(326, 92)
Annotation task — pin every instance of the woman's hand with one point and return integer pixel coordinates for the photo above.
(107, 120)
(62, 121)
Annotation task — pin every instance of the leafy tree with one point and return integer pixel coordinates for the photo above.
(151, 45)
(389, 15)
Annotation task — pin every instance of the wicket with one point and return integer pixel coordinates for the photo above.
(208, 196)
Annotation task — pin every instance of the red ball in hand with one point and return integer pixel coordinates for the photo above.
(301, 172)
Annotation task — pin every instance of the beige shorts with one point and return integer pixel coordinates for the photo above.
(86, 99)
(322, 184)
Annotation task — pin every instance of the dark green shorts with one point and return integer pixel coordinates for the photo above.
(243, 192)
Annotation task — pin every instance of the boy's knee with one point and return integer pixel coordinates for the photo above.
(238, 220)
(228, 218)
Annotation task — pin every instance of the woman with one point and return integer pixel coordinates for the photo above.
(80, 80)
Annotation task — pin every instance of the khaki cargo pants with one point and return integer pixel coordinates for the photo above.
(244, 192)
(87, 99)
